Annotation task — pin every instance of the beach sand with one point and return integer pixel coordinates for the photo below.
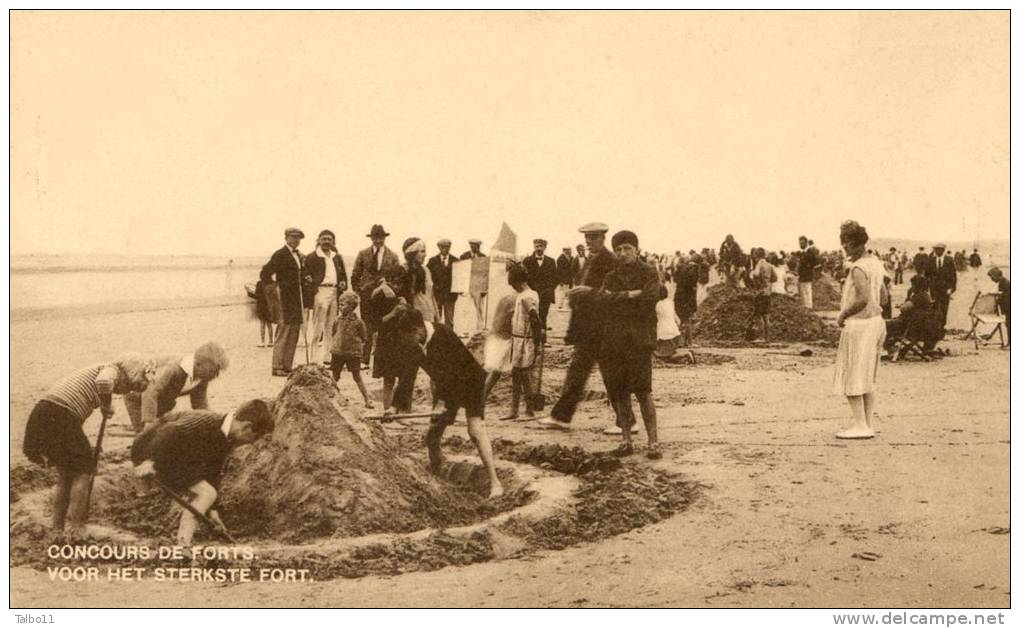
(785, 513)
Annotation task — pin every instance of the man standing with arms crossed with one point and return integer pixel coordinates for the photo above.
(585, 328)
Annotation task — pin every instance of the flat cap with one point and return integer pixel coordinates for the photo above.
(474, 241)
(939, 245)
(444, 242)
(540, 241)
(594, 227)
(293, 231)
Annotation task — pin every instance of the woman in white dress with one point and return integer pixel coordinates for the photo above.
(863, 330)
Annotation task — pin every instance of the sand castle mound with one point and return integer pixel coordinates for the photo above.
(725, 313)
(328, 472)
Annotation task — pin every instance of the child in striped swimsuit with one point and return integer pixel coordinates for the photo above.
(54, 434)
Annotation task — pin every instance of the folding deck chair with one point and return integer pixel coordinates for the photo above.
(985, 311)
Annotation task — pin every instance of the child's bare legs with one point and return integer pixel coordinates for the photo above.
(77, 504)
(515, 395)
(490, 382)
(476, 430)
(204, 496)
(765, 328)
(649, 417)
(625, 419)
(387, 392)
(433, 439)
(860, 427)
(61, 498)
(356, 375)
(525, 385)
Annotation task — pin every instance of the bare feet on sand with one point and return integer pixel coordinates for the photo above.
(496, 491)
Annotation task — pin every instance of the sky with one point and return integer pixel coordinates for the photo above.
(210, 133)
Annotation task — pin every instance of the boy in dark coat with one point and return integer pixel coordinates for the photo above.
(628, 295)
(458, 381)
(187, 451)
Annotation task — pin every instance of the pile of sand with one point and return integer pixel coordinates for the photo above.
(327, 472)
(725, 313)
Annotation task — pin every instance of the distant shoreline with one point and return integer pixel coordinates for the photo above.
(28, 314)
(128, 268)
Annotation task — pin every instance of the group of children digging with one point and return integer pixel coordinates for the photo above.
(186, 451)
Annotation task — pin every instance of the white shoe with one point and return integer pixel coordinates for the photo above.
(614, 430)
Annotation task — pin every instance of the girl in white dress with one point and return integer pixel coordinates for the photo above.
(863, 330)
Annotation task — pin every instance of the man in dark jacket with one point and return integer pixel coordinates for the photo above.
(975, 260)
(564, 274)
(327, 277)
(585, 328)
(942, 279)
(459, 382)
(371, 265)
(187, 450)
(441, 269)
(542, 277)
(283, 271)
(921, 262)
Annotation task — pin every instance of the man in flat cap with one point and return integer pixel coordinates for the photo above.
(370, 267)
(542, 278)
(328, 279)
(942, 279)
(477, 298)
(564, 274)
(586, 326)
(284, 270)
(441, 269)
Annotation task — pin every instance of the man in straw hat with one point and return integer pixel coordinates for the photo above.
(371, 265)
(284, 269)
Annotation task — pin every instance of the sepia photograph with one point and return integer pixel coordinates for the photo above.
(688, 309)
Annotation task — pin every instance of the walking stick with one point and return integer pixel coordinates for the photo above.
(220, 530)
(95, 456)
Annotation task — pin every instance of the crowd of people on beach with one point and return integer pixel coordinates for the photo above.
(395, 312)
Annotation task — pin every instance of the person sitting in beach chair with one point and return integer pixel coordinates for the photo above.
(459, 382)
(916, 330)
(186, 451)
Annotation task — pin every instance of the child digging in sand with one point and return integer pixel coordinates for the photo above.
(459, 382)
(349, 335)
(629, 294)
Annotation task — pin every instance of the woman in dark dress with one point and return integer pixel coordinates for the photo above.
(390, 361)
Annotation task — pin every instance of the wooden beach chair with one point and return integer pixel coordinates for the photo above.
(984, 311)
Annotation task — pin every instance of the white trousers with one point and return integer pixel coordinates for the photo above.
(807, 298)
(324, 315)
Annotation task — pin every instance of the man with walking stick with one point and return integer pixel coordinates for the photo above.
(282, 277)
